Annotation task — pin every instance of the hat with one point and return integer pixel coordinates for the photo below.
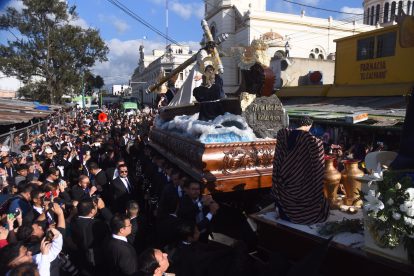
(4, 148)
(48, 150)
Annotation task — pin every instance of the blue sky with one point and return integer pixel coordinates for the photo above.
(123, 34)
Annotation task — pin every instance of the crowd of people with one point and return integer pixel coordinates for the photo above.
(92, 198)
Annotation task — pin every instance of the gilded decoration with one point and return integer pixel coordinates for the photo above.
(237, 159)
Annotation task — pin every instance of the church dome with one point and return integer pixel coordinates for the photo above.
(384, 11)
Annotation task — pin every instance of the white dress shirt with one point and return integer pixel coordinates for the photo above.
(43, 261)
(126, 183)
(121, 238)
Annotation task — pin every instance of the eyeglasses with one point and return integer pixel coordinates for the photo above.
(123, 171)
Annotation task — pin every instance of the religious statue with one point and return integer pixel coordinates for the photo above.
(209, 91)
(257, 77)
(298, 174)
(194, 79)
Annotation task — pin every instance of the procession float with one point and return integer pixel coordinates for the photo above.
(226, 143)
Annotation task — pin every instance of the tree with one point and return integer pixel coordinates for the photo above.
(51, 49)
(99, 82)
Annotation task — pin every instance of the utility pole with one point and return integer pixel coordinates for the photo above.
(83, 91)
(166, 22)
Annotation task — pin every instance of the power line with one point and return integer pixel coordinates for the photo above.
(141, 20)
(13, 34)
(322, 9)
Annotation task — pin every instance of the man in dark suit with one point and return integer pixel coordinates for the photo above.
(167, 222)
(122, 189)
(196, 208)
(83, 190)
(100, 181)
(172, 189)
(88, 233)
(194, 258)
(120, 256)
(112, 171)
(140, 233)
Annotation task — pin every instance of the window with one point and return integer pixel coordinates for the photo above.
(377, 14)
(365, 48)
(400, 8)
(408, 7)
(393, 8)
(386, 12)
(386, 44)
(371, 22)
(317, 53)
(367, 19)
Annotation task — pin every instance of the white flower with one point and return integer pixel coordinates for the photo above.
(408, 221)
(410, 212)
(373, 203)
(396, 216)
(398, 186)
(410, 193)
(390, 201)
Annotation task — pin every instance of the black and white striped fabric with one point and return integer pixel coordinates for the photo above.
(297, 181)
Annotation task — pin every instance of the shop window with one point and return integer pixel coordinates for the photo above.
(386, 12)
(386, 44)
(365, 48)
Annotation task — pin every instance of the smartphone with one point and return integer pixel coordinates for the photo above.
(49, 236)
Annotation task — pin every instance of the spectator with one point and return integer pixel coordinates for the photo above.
(83, 190)
(22, 202)
(153, 262)
(88, 233)
(120, 256)
(17, 254)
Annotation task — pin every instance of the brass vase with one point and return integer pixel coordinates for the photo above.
(351, 184)
(331, 182)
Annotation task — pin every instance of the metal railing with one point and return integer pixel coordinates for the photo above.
(34, 129)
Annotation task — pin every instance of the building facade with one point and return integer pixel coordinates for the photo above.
(300, 35)
(152, 67)
(380, 12)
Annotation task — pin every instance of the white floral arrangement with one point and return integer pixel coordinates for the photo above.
(391, 212)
